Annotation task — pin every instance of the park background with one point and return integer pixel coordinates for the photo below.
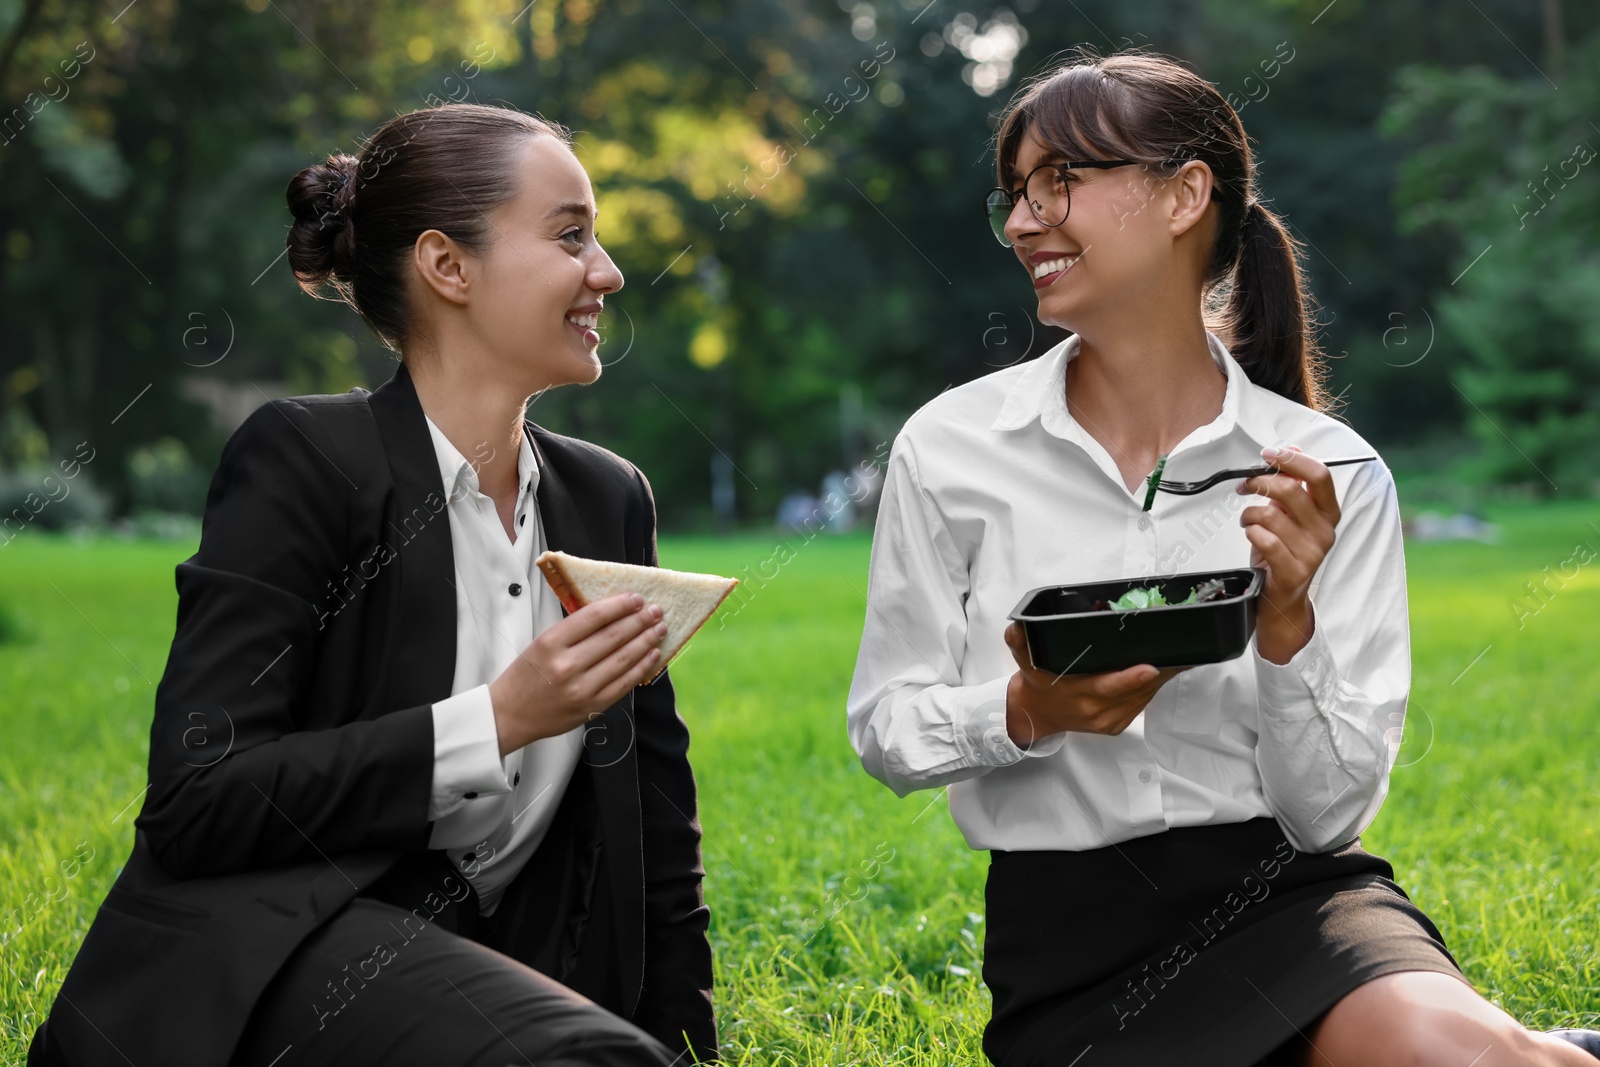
(792, 190)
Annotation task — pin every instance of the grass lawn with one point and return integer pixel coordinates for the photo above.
(847, 923)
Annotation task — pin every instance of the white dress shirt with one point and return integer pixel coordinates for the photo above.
(490, 813)
(993, 489)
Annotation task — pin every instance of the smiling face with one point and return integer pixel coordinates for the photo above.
(537, 294)
(1116, 252)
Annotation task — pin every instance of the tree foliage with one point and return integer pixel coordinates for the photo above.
(1506, 168)
(791, 188)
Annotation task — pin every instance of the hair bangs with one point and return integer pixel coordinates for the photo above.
(1074, 113)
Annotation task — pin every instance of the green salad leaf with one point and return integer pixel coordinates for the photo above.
(1150, 596)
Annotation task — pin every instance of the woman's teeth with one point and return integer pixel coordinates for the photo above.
(588, 321)
(1051, 266)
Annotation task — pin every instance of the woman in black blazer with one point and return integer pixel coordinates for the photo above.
(286, 900)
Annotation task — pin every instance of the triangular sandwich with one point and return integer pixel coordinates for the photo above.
(687, 599)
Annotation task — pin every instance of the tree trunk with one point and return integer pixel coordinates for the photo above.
(1555, 45)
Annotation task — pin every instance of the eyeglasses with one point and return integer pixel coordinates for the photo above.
(1048, 191)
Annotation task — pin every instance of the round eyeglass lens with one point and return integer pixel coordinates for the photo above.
(1047, 195)
(998, 208)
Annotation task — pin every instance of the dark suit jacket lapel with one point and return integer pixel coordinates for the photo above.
(421, 642)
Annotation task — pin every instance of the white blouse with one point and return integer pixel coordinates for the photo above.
(993, 489)
(491, 812)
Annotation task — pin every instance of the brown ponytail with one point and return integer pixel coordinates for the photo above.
(1266, 314)
(1137, 105)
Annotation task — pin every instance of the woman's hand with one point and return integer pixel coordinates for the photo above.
(1291, 535)
(1041, 703)
(576, 669)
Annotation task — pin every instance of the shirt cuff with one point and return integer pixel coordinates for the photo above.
(1296, 689)
(466, 752)
(981, 728)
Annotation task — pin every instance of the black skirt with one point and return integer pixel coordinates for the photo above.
(1198, 945)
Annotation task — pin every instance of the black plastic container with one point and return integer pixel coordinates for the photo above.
(1067, 636)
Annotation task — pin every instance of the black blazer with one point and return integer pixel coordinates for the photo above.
(316, 627)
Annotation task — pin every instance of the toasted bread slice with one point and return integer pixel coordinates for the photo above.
(687, 600)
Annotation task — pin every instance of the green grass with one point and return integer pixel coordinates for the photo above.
(847, 923)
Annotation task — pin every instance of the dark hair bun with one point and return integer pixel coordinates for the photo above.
(322, 240)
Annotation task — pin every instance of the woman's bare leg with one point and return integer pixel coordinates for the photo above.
(1426, 1018)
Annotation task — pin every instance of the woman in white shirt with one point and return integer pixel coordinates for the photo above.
(1176, 873)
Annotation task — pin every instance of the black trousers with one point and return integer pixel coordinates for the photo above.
(360, 991)
(409, 973)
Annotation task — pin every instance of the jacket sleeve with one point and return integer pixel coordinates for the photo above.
(236, 782)
(676, 999)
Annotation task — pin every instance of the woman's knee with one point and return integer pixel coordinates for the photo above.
(594, 1036)
(1421, 1019)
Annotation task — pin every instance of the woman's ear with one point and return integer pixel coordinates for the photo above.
(442, 265)
(1191, 196)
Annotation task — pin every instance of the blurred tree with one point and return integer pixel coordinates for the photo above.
(141, 198)
(1507, 168)
(790, 186)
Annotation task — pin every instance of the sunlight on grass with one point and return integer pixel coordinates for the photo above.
(848, 923)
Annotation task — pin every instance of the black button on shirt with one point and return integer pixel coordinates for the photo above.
(516, 589)
(469, 796)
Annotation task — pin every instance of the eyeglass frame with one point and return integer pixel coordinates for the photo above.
(1021, 193)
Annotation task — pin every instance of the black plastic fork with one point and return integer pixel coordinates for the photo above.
(1191, 488)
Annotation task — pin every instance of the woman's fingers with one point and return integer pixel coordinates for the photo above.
(1104, 702)
(594, 617)
(636, 675)
(1115, 717)
(615, 634)
(1117, 686)
(1126, 703)
(627, 658)
(1293, 532)
(1285, 496)
(581, 676)
(1267, 528)
(1317, 477)
(1292, 570)
(1304, 488)
(1018, 644)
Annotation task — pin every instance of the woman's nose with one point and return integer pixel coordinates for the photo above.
(1022, 221)
(604, 277)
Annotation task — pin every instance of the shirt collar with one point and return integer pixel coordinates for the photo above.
(455, 470)
(1040, 392)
